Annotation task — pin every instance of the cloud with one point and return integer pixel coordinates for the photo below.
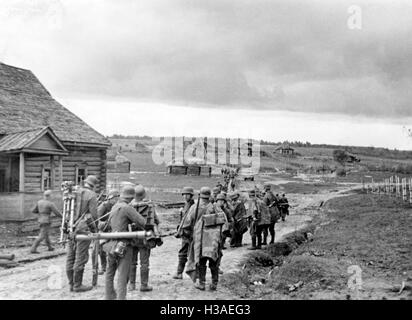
(268, 55)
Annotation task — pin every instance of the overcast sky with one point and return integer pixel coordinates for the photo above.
(279, 69)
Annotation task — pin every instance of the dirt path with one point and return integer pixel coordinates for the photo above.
(45, 279)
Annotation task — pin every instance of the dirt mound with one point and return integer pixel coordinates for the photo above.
(304, 271)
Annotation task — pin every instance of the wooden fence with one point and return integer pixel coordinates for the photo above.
(393, 186)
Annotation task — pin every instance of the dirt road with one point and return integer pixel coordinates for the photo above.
(45, 279)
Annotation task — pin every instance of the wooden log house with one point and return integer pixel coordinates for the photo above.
(42, 144)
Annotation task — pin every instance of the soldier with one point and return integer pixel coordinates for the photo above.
(271, 202)
(44, 209)
(207, 242)
(188, 194)
(284, 207)
(140, 247)
(215, 192)
(103, 211)
(239, 220)
(221, 204)
(121, 216)
(196, 211)
(78, 251)
(260, 218)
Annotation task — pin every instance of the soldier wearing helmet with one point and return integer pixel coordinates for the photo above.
(239, 220)
(78, 251)
(187, 194)
(44, 208)
(197, 210)
(122, 215)
(103, 211)
(272, 203)
(140, 247)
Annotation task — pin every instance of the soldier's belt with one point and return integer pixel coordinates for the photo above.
(116, 235)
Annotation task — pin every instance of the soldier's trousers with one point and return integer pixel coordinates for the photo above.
(236, 240)
(43, 235)
(144, 253)
(77, 255)
(103, 258)
(269, 229)
(123, 266)
(257, 235)
(183, 252)
(214, 269)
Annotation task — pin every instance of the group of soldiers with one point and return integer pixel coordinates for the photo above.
(215, 216)
(204, 226)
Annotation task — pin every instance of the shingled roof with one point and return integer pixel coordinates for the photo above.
(25, 104)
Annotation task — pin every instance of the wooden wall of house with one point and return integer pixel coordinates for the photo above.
(91, 159)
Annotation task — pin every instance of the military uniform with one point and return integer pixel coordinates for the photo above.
(44, 209)
(239, 221)
(78, 251)
(183, 234)
(103, 211)
(206, 246)
(196, 211)
(260, 218)
(140, 247)
(284, 207)
(271, 202)
(122, 215)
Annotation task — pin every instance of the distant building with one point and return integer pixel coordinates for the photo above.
(285, 149)
(117, 162)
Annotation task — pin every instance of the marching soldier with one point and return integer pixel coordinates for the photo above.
(196, 211)
(227, 208)
(215, 192)
(271, 202)
(103, 211)
(260, 216)
(239, 220)
(284, 207)
(207, 242)
(119, 252)
(188, 194)
(44, 209)
(78, 251)
(140, 247)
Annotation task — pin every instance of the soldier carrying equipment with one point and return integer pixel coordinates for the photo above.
(81, 222)
(141, 247)
(186, 237)
(120, 251)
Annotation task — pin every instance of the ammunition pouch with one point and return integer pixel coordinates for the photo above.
(214, 219)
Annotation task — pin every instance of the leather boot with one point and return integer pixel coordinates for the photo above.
(202, 278)
(78, 279)
(144, 280)
(253, 247)
(69, 274)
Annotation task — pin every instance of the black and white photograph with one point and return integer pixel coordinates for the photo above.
(217, 152)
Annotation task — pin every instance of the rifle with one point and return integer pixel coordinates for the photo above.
(197, 208)
(95, 262)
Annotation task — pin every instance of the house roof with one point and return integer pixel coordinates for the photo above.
(284, 146)
(25, 104)
(26, 141)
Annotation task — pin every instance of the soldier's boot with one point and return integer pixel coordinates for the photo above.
(144, 280)
(253, 247)
(259, 244)
(215, 279)
(103, 263)
(69, 274)
(202, 278)
(180, 268)
(78, 279)
(132, 278)
(34, 246)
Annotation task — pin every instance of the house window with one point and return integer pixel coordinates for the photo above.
(81, 174)
(46, 179)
